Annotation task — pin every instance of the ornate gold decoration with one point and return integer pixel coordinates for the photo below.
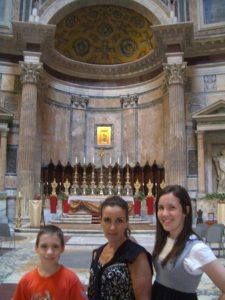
(66, 185)
(137, 186)
(54, 185)
(104, 34)
(149, 186)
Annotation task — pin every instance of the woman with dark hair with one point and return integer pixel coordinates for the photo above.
(179, 256)
(121, 269)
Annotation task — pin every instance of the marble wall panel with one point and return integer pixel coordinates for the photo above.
(151, 136)
(151, 96)
(55, 137)
(7, 82)
(197, 84)
(104, 102)
(220, 82)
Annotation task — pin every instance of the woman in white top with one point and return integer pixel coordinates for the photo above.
(179, 255)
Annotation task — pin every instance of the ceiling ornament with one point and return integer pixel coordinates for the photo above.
(104, 35)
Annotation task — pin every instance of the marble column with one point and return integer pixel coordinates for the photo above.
(30, 74)
(129, 128)
(201, 163)
(3, 148)
(175, 147)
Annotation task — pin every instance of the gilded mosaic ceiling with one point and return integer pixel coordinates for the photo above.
(104, 35)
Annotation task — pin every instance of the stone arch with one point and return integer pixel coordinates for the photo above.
(154, 10)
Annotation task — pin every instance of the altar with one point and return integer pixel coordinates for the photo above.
(92, 202)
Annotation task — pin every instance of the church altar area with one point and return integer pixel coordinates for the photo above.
(92, 202)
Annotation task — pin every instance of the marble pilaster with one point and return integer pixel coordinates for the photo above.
(3, 147)
(30, 73)
(78, 123)
(175, 165)
(129, 128)
(201, 163)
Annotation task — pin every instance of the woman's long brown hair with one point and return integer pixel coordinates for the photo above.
(161, 235)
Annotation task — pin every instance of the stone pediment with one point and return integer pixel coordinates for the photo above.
(211, 117)
(5, 115)
(213, 112)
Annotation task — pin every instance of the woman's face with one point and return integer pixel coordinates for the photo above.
(114, 224)
(170, 214)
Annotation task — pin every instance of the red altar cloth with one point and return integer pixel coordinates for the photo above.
(53, 204)
(150, 205)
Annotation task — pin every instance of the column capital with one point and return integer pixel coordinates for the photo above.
(174, 73)
(30, 72)
(79, 101)
(4, 133)
(129, 101)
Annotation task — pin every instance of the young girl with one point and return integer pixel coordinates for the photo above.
(179, 256)
(50, 280)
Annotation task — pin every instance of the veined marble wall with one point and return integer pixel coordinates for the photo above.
(68, 129)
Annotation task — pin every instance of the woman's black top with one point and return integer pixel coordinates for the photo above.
(113, 281)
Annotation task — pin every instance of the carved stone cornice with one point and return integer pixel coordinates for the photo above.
(30, 73)
(174, 73)
(79, 101)
(129, 101)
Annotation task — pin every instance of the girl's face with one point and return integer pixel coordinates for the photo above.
(170, 214)
(114, 224)
(49, 248)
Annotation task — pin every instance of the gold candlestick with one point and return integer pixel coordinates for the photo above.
(149, 186)
(66, 185)
(84, 182)
(54, 185)
(93, 185)
(101, 183)
(127, 183)
(137, 186)
(118, 184)
(75, 185)
(109, 184)
(18, 219)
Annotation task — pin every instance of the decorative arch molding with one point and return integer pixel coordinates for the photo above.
(154, 10)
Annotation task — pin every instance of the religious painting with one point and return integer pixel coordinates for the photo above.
(104, 135)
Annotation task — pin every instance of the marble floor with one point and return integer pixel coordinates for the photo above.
(77, 256)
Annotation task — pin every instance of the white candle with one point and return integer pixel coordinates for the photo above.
(110, 160)
(118, 160)
(84, 160)
(19, 194)
(93, 159)
(127, 160)
(76, 160)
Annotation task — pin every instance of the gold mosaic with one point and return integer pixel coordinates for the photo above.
(104, 34)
